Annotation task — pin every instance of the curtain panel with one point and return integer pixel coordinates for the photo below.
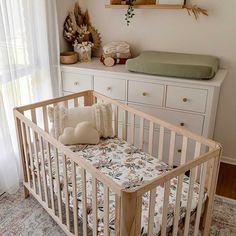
(29, 64)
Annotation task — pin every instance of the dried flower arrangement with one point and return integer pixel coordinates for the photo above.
(78, 30)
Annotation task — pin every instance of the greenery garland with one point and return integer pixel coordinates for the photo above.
(130, 12)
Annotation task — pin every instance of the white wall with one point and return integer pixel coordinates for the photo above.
(174, 30)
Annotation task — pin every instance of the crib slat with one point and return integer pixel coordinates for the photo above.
(138, 216)
(184, 150)
(124, 130)
(172, 148)
(31, 156)
(75, 201)
(45, 118)
(94, 206)
(116, 112)
(150, 142)
(177, 204)
(189, 202)
(34, 119)
(179, 187)
(201, 196)
(106, 211)
(23, 131)
(50, 177)
(117, 215)
(161, 143)
(37, 165)
(152, 202)
(132, 128)
(76, 102)
(165, 208)
(33, 116)
(197, 154)
(65, 104)
(35, 138)
(141, 133)
(84, 200)
(65, 187)
(58, 184)
(43, 170)
(197, 149)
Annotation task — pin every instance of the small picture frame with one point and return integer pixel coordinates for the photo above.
(170, 2)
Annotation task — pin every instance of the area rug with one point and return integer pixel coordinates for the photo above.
(224, 217)
(23, 217)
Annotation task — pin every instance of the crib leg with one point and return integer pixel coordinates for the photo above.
(26, 192)
(130, 224)
(207, 216)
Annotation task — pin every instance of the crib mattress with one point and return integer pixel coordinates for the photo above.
(129, 167)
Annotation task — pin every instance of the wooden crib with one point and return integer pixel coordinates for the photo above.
(32, 127)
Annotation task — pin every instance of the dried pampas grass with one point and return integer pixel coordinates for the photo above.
(195, 10)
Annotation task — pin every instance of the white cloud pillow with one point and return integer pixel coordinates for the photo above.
(83, 133)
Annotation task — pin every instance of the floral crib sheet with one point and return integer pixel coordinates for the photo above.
(129, 167)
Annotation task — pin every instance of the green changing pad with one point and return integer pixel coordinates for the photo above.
(174, 65)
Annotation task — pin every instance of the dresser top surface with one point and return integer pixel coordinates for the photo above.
(96, 67)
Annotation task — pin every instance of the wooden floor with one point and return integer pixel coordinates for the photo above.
(227, 181)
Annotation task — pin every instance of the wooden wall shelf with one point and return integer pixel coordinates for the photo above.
(160, 6)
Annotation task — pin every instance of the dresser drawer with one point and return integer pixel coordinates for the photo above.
(75, 82)
(147, 93)
(114, 88)
(191, 122)
(188, 99)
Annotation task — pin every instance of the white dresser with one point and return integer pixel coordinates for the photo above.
(191, 104)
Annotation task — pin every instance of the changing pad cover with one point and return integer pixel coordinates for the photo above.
(181, 65)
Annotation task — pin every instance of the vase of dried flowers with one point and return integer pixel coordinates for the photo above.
(84, 50)
(83, 34)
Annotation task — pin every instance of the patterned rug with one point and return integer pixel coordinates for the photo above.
(19, 216)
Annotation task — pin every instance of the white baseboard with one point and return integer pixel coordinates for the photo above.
(228, 160)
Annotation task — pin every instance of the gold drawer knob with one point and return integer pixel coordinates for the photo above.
(108, 88)
(145, 94)
(182, 124)
(76, 83)
(185, 99)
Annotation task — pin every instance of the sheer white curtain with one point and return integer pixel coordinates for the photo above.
(29, 69)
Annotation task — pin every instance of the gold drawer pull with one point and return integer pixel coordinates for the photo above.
(145, 94)
(108, 88)
(182, 124)
(76, 83)
(185, 99)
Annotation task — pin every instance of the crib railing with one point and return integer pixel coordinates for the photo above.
(203, 168)
(43, 180)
